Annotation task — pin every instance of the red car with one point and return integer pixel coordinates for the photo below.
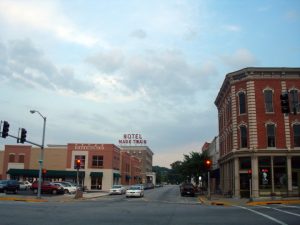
(47, 187)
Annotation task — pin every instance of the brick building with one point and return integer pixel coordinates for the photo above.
(257, 141)
(102, 165)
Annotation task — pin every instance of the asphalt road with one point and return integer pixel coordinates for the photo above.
(159, 206)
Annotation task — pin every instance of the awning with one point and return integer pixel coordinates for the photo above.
(117, 175)
(96, 174)
(49, 173)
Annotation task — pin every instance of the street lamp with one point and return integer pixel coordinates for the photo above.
(42, 153)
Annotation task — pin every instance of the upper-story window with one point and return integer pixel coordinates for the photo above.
(244, 140)
(268, 100)
(97, 161)
(294, 96)
(271, 135)
(11, 158)
(21, 158)
(296, 131)
(82, 161)
(242, 102)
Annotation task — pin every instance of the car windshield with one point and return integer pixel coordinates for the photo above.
(135, 188)
(116, 186)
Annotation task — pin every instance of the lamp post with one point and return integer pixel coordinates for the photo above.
(42, 153)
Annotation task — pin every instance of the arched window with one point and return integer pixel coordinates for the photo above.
(243, 134)
(11, 158)
(242, 102)
(296, 131)
(271, 135)
(268, 100)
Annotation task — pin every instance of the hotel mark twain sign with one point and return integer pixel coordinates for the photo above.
(130, 139)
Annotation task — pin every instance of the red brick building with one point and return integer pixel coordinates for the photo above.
(258, 141)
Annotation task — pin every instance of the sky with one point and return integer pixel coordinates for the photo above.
(99, 69)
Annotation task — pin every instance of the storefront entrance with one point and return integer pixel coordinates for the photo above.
(244, 185)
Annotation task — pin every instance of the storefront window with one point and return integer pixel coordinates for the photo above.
(296, 174)
(280, 174)
(265, 182)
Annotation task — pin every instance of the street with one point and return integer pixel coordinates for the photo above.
(159, 206)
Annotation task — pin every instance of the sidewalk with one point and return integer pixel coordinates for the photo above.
(223, 201)
(51, 198)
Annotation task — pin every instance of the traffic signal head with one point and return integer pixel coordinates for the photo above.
(44, 171)
(207, 164)
(5, 129)
(285, 104)
(23, 135)
(78, 164)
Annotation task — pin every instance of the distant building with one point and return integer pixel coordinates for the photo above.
(145, 155)
(257, 141)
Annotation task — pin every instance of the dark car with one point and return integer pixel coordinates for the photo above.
(9, 186)
(187, 189)
(47, 187)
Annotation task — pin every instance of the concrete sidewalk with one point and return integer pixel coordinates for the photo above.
(223, 201)
(51, 198)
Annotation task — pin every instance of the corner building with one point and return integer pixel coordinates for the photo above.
(259, 145)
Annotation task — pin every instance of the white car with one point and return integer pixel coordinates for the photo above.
(67, 189)
(135, 191)
(24, 185)
(117, 190)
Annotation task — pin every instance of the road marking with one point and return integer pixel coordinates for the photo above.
(295, 214)
(291, 206)
(262, 214)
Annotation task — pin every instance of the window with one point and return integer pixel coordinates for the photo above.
(245, 163)
(82, 161)
(294, 96)
(97, 161)
(21, 158)
(296, 131)
(242, 102)
(269, 100)
(11, 158)
(243, 132)
(271, 135)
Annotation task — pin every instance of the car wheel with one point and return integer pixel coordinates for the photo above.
(35, 191)
(16, 191)
(66, 191)
(4, 191)
(54, 192)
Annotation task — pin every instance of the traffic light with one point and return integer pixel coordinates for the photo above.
(44, 171)
(23, 135)
(207, 164)
(285, 104)
(5, 129)
(78, 164)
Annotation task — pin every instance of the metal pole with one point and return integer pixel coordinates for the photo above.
(250, 187)
(41, 157)
(208, 186)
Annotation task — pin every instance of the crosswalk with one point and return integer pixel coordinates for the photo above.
(278, 214)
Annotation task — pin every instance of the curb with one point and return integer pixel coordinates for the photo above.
(274, 202)
(23, 199)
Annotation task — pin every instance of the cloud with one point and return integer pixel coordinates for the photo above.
(23, 64)
(44, 16)
(240, 58)
(139, 33)
(233, 28)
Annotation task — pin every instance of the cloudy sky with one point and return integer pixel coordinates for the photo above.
(98, 69)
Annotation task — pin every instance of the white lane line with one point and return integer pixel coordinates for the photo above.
(291, 206)
(294, 214)
(264, 215)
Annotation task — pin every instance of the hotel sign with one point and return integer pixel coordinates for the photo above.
(136, 139)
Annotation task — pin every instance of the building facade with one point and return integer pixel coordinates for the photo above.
(102, 165)
(259, 145)
(145, 155)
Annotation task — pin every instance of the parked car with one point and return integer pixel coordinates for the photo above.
(149, 186)
(135, 191)
(187, 189)
(68, 189)
(117, 190)
(22, 185)
(47, 187)
(9, 186)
